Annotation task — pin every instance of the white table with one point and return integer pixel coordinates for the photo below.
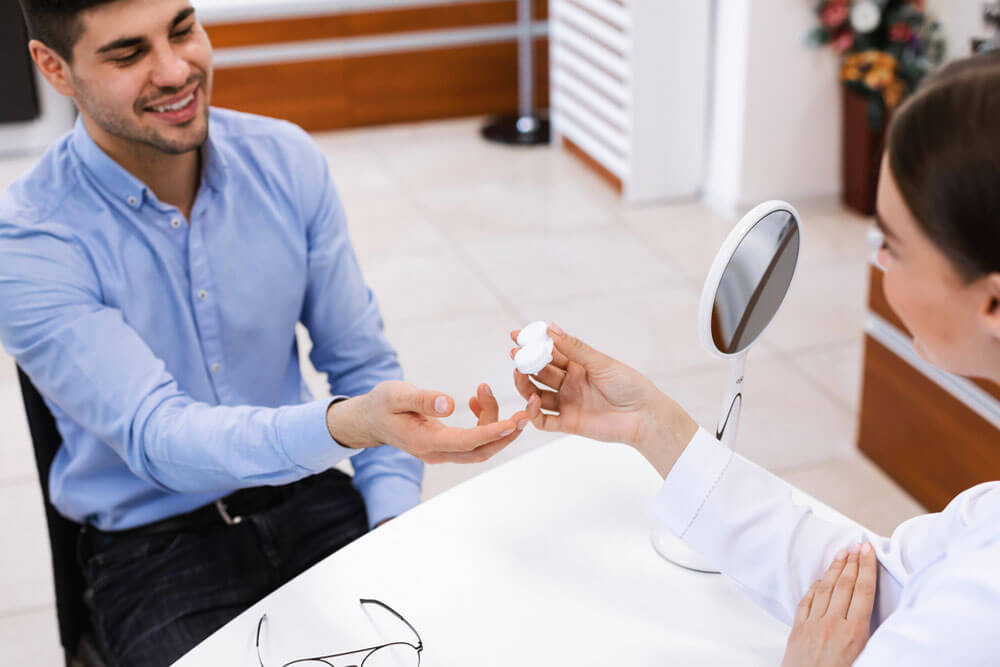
(543, 561)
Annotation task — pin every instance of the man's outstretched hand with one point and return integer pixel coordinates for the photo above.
(406, 417)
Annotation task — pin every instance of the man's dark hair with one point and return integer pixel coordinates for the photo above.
(56, 23)
(944, 154)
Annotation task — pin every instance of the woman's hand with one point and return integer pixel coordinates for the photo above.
(598, 397)
(832, 622)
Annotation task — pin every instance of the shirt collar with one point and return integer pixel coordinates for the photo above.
(127, 187)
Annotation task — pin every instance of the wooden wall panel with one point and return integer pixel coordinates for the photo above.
(922, 436)
(384, 88)
(359, 24)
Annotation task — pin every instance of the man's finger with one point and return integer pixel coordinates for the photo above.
(802, 611)
(485, 452)
(864, 589)
(475, 407)
(490, 410)
(439, 438)
(407, 398)
(821, 599)
(843, 590)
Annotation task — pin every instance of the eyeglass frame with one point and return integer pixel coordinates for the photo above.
(418, 647)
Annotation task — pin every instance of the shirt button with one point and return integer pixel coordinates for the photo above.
(175, 223)
(216, 367)
(202, 294)
(132, 201)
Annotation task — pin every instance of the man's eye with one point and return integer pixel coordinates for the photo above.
(185, 32)
(126, 59)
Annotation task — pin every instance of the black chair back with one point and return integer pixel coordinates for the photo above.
(74, 620)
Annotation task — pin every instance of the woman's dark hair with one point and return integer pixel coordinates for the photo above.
(944, 154)
(56, 23)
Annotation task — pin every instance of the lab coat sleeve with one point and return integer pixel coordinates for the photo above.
(746, 522)
(951, 621)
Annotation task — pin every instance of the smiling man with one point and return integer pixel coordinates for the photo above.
(153, 267)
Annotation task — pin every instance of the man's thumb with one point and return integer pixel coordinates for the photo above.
(576, 350)
(430, 403)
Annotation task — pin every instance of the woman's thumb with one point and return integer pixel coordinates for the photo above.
(576, 350)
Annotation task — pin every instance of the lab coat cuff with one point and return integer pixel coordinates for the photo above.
(388, 496)
(306, 439)
(690, 482)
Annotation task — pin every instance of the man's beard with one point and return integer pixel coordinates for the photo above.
(126, 127)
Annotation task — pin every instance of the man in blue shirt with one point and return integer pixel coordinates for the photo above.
(153, 267)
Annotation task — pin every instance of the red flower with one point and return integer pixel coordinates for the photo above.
(843, 41)
(919, 4)
(834, 14)
(900, 32)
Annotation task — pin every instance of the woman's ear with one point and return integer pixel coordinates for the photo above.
(991, 308)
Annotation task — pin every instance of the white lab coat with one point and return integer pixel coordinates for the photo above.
(938, 599)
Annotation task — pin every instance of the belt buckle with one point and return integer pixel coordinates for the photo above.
(224, 513)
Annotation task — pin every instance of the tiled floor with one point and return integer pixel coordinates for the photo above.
(462, 241)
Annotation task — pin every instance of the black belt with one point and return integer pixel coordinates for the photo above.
(225, 511)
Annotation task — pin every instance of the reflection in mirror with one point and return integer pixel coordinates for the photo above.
(755, 282)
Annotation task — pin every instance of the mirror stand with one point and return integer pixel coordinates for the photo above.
(666, 543)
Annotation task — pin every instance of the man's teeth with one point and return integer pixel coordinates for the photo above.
(180, 104)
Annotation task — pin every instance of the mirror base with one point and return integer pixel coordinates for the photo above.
(673, 550)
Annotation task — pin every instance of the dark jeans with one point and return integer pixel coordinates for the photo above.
(154, 597)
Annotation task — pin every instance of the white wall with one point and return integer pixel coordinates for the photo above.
(776, 102)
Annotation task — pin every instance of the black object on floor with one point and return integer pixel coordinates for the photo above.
(520, 130)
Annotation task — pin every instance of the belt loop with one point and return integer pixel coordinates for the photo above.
(230, 520)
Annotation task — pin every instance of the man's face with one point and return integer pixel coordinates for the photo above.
(142, 72)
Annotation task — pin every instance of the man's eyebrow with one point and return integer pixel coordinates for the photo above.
(127, 42)
(122, 43)
(181, 15)
(880, 223)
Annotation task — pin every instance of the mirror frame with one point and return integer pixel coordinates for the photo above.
(721, 261)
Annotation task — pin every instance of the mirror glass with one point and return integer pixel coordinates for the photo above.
(755, 281)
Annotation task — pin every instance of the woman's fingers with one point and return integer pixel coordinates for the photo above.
(864, 589)
(843, 590)
(559, 359)
(802, 611)
(551, 376)
(824, 590)
(550, 400)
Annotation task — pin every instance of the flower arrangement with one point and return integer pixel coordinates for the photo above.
(887, 48)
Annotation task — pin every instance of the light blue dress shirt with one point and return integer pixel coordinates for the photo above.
(166, 350)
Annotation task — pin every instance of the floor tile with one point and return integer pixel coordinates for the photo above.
(391, 225)
(17, 458)
(832, 233)
(456, 354)
(825, 305)
(411, 286)
(27, 570)
(653, 330)
(31, 637)
(542, 267)
(856, 487)
(786, 421)
(836, 369)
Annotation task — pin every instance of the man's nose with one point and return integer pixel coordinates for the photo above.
(169, 69)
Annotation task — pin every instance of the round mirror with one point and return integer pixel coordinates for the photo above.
(749, 278)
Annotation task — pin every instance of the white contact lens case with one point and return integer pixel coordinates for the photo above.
(536, 348)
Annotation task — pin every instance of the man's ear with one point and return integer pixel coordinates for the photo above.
(52, 66)
(991, 308)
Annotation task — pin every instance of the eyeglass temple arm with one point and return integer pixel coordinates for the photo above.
(420, 641)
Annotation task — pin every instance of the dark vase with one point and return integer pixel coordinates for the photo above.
(862, 153)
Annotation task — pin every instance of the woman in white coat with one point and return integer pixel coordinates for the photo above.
(937, 599)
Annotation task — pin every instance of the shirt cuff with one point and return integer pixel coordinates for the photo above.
(388, 496)
(304, 436)
(690, 482)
